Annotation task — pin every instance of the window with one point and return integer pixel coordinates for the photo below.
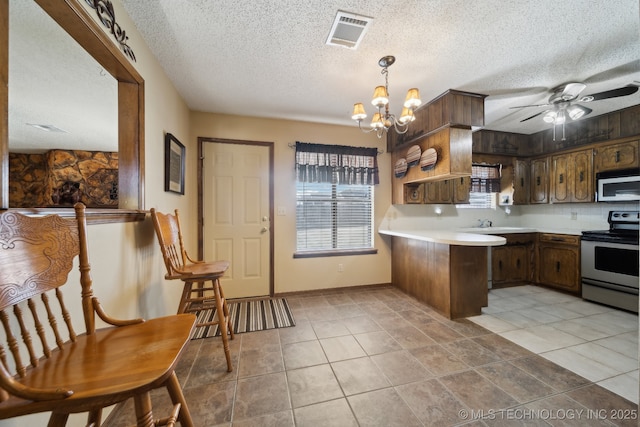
(333, 217)
(485, 184)
(334, 199)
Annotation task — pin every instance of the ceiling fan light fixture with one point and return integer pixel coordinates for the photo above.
(550, 117)
(560, 118)
(576, 111)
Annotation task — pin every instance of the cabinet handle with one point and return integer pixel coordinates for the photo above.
(537, 180)
(558, 267)
(561, 178)
(521, 182)
(518, 263)
(581, 176)
(500, 265)
(461, 180)
(617, 156)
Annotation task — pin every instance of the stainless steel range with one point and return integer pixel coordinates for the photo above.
(609, 262)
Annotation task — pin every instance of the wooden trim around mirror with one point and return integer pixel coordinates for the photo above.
(75, 20)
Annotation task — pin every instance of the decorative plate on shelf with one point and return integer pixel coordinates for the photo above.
(428, 159)
(413, 155)
(400, 169)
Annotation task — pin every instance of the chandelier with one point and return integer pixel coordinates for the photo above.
(383, 120)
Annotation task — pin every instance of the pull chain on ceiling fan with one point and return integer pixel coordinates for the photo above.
(562, 104)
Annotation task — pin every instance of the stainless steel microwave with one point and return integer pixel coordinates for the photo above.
(618, 186)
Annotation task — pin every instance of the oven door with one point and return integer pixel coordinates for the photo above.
(608, 262)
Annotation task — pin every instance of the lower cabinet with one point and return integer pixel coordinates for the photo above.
(513, 262)
(559, 261)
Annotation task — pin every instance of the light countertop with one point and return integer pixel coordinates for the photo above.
(449, 237)
(472, 236)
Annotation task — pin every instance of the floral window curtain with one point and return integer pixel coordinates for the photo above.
(337, 164)
(485, 178)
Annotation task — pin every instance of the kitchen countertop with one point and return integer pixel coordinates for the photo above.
(449, 237)
(472, 236)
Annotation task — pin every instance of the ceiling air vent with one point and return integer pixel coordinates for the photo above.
(348, 29)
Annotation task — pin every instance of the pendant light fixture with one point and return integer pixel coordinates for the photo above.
(382, 119)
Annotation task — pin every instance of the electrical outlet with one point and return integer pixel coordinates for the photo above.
(282, 210)
(340, 268)
(574, 215)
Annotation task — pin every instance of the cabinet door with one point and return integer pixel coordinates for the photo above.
(500, 264)
(560, 190)
(520, 182)
(431, 192)
(445, 189)
(582, 177)
(461, 188)
(617, 156)
(519, 261)
(559, 267)
(539, 181)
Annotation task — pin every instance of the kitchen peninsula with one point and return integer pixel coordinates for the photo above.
(445, 269)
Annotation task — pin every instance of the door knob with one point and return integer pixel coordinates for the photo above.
(264, 229)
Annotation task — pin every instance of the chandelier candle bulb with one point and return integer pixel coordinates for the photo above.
(380, 97)
(358, 112)
(413, 99)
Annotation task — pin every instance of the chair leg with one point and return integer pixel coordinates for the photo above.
(226, 310)
(58, 420)
(94, 418)
(186, 293)
(222, 322)
(144, 415)
(175, 392)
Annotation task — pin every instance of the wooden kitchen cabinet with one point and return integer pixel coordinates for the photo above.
(559, 261)
(623, 155)
(438, 192)
(572, 177)
(512, 263)
(539, 180)
(521, 180)
(461, 189)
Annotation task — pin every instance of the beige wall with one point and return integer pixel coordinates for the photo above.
(303, 274)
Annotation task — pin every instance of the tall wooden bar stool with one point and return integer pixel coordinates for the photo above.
(202, 289)
(46, 366)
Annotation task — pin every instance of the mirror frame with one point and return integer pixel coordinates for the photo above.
(79, 24)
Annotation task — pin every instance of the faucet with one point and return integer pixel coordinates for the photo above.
(483, 223)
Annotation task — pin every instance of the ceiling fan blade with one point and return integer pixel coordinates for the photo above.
(532, 105)
(535, 115)
(613, 93)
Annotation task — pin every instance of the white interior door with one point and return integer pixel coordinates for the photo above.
(236, 215)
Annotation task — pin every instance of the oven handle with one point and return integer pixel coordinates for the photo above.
(607, 285)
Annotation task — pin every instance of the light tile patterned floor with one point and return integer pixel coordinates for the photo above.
(377, 357)
(597, 342)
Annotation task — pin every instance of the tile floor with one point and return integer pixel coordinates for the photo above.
(377, 357)
(595, 341)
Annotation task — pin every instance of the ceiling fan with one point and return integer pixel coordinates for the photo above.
(562, 103)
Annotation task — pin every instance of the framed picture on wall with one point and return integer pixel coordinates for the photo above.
(174, 153)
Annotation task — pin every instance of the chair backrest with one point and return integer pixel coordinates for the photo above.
(36, 256)
(169, 235)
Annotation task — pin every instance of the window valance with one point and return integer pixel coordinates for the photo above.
(339, 164)
(485, 178)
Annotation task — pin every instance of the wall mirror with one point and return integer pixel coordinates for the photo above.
(66, 72)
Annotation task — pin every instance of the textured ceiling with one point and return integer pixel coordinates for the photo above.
(269, 58)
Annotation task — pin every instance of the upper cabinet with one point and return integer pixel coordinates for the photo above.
(617, 156)
(521, 182)
(442, 132)
(572, 177)
(540, 180)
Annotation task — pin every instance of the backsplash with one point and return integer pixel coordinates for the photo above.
(551, 217)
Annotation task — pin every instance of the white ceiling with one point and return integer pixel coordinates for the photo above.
(269, 58)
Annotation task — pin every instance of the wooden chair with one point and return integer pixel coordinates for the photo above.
(75, 372)
(197, 293)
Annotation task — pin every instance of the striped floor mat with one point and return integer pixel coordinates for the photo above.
(248, 316)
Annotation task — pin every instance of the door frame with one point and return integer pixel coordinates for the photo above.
(201, 141)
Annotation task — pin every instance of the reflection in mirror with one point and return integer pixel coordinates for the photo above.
(63, 117)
